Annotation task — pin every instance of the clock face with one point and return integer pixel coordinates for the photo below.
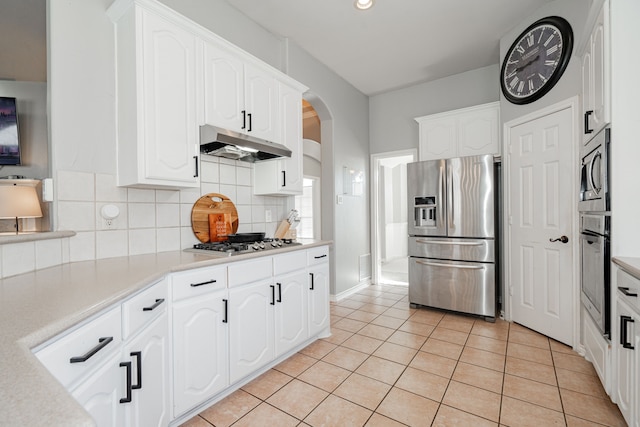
(536, 60)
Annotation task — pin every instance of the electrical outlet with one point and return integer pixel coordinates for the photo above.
(267, 215)
(108, 224)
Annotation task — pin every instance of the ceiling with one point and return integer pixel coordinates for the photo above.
(396, 43)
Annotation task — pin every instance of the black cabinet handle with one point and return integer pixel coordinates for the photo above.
(311, 274)
(138, 356)
(626, 292)
(320, 256)
(196, 161)
(586, 121)
(157, 303)
(244, 119)
(623, 331)
(250, 122)
(226, 312)
(193, 285)
(273, 295)
(279, 292)
(127, 398)
(102, 343)
(284, 178)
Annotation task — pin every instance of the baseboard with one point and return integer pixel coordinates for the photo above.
(345, 294)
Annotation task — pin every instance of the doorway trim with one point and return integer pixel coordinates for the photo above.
(375, 183)
(573, 104)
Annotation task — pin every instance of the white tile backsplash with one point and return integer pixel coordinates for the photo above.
(167, 215)
(150, 220)
(142, 241)
(76, 216)
(82, 246)
(48, 253)
(111, 243)
(18, 258)
(142, 215)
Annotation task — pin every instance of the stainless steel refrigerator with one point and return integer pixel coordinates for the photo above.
(452, 234)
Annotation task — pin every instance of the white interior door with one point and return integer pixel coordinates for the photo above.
(541, 208)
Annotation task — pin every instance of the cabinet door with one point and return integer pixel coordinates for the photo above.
(101, 392)
(200, 349)
(223, 88)
(587, 95)
(318, 298)
(291, 120)
(169, 102)
(291, 324)
(438, 139)
(261, 102)
(599, 86)
(478, 132)
(251, 311)
(625, 361)
(149, 357)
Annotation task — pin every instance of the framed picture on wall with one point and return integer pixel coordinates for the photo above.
(9, 132)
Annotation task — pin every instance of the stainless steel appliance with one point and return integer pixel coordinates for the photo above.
(227, 248)
(452, 234)
(237, 146)
(594, 173)
(595, 261)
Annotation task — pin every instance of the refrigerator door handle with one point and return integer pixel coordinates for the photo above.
(450, 202)
(442, 242)
(437, 264)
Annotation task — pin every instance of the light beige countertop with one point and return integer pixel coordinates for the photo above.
(37, 306)
(629, 264)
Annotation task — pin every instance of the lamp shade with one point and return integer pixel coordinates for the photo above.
(19, 201)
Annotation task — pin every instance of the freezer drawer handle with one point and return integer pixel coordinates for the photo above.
(438, 242)
(437, 264)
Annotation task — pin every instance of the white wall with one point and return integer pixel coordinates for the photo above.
(391, 114)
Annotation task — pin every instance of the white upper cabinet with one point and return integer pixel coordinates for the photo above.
(284, 176)
(239, 96)
(596, 108)
(156, 99)
(458, 133)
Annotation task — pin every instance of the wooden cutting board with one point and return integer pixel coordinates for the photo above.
(212, 203)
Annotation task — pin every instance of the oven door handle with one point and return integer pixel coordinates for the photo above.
(598, 155)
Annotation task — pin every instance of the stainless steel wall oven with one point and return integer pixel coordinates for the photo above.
(595, 269)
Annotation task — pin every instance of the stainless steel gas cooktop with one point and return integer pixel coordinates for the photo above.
(224, 249)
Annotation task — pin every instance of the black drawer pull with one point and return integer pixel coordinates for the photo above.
(102, 343)
(623, 332)
(279, 292)
(226, 311)
(320, 256)
(311, 274)
(626, 292)
(196, 159)
(138, 356)
(273, 295)
(203, 283)
(157, 303)
(127, 398)
(586, 122)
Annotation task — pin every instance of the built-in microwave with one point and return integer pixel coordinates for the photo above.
(594, 173)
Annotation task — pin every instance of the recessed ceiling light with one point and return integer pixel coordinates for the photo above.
(363, 4)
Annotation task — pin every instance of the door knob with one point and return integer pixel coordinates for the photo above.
(563, 239)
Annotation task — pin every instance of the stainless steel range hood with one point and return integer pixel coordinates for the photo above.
(219, 142)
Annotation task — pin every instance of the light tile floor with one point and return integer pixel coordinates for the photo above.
(387, 364)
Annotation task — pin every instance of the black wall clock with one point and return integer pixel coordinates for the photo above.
(536, 60)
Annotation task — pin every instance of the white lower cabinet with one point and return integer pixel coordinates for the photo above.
(627, 361)
(200, 336)
(597, 350)
(251, 311)
(318, 293)
(291, 325)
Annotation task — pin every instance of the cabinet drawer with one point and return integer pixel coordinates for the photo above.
(81, 351)
(198, 282)
(291, 261)
(317, 255)
(250, 271)
(144, 308)
(632, 286)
